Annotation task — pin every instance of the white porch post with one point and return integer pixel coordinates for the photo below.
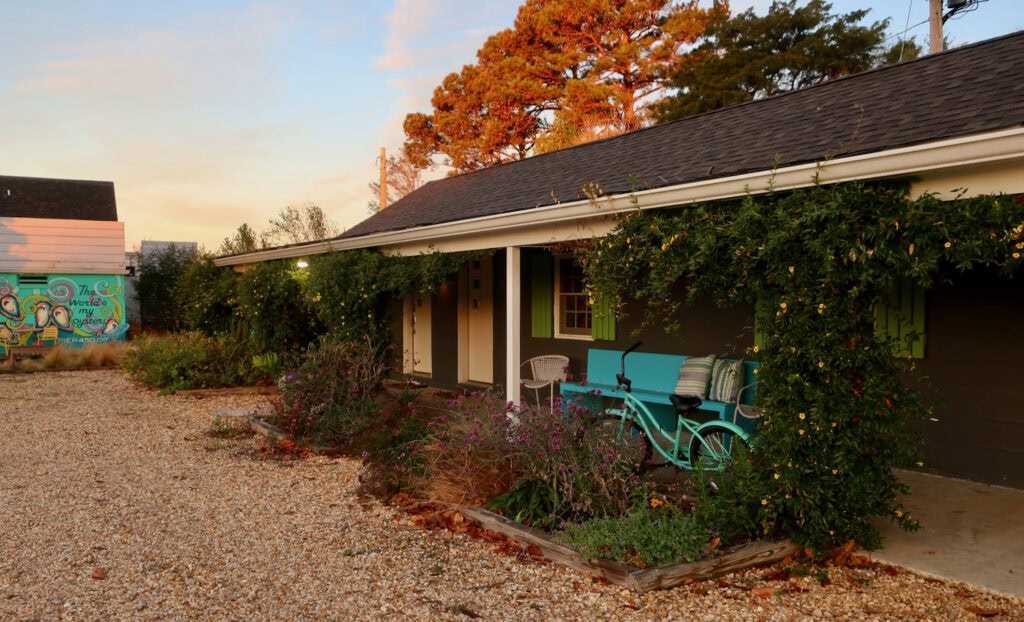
(513, 292)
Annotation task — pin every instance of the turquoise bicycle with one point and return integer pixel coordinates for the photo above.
(691, 445)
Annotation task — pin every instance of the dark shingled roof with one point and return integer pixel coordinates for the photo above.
(967, 90)
(35, 197)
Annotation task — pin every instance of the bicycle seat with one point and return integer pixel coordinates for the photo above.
(685, 403)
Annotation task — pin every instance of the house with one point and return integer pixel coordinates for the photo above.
(951, 122)
(61, 263)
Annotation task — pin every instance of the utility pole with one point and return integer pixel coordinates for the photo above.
(383, 179)
(935, 19)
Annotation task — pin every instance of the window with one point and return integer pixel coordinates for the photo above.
(572, 308)
(559, 305)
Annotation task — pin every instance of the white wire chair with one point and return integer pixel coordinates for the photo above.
(545, 371)
(747, 411)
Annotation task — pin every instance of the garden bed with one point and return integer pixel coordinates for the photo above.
(639, 580)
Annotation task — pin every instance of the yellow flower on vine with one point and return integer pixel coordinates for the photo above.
(802, 416)
(948, 244)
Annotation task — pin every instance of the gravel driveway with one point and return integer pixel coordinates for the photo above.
(117, 504)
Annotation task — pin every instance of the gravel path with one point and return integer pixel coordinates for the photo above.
(117, 504)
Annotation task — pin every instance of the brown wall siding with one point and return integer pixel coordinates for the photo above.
(975, 329)
(444, 314)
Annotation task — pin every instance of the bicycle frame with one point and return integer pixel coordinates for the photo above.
(711, 441)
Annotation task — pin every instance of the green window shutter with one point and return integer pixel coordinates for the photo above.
(602, 320)
(900, 317)
(542, 296)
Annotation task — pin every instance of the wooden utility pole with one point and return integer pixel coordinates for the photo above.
(935, 19)
(383, 178)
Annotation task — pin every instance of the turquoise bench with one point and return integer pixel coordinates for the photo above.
(654, 378)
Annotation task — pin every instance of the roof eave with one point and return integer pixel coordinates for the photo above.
(905, 161)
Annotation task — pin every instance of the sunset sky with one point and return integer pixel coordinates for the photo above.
(207, 115)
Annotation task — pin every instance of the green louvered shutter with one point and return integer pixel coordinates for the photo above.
(900, 316)
(542, 296)
(758, 329)
(602, 319)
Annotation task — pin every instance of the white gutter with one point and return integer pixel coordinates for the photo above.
(929, 157)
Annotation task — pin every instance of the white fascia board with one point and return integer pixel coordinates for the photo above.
(917, 159)
(284, 252)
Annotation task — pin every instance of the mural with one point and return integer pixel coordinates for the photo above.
(71, 310)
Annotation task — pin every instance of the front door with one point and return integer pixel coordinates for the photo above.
(417, 340)
(476, 334)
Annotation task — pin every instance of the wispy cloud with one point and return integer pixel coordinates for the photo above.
(428, 39)
(200, 57)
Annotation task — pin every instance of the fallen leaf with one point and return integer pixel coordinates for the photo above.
(99, 574)
(763, 592)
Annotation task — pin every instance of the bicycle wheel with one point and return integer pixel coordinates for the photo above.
(630, 440)
(713, 447)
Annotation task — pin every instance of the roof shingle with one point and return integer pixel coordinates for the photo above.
(71, 199)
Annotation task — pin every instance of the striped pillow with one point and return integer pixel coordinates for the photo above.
(694, 375)
(726, 378)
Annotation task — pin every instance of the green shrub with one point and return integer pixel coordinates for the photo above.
(187, 361)
(159, 274)
(272, 308)
(538, 467)
(651, 534)
(728, 502)
(206, 296)
(333, 394)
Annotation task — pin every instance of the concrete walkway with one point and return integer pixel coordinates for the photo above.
(970, 532)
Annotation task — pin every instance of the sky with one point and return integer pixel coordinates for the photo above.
(210, 114)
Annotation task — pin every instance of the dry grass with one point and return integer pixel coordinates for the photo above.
(92, 356)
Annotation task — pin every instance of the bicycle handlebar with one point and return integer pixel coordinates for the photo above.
(621, 378)
(628, 350)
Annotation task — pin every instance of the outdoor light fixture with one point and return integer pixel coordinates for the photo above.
(303, 263)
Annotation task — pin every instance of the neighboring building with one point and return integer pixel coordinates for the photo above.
(61, 263)
(949, 122)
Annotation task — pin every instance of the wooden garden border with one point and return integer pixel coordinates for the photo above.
(639, 580)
